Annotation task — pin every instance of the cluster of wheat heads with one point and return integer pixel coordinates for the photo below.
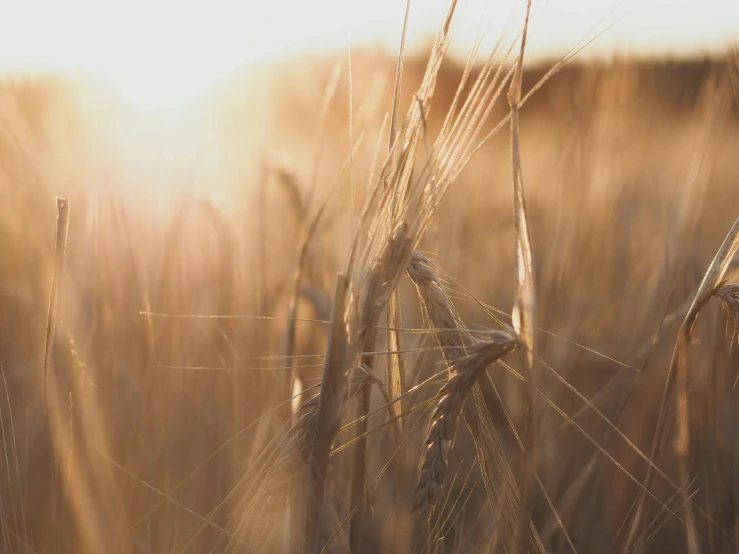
(310, 489)
(396, 213)
(293, 474)
(293, 478)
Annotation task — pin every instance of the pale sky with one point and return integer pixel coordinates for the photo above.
(183, 44)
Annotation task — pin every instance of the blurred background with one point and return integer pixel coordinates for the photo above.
(196, 142)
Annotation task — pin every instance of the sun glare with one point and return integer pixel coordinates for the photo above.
(154, 87)
(163, 55)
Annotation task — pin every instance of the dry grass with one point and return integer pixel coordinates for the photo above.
(183, 331)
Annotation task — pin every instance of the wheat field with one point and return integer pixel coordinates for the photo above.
(492, 310)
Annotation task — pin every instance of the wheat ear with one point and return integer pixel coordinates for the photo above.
(451, 337)
(440, 435)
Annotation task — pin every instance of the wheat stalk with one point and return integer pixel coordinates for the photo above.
(395, 373)
(62, 227)
(677, 374)
(524, 307)
(358, 520)
(328, 415)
